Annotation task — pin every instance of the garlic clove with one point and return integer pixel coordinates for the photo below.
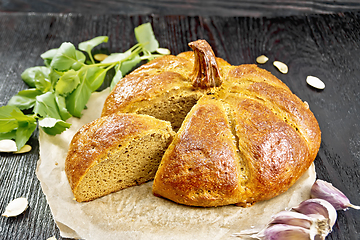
(325, 190)
(285, 232)
(16, 207)
(314, 206)
(292, 218)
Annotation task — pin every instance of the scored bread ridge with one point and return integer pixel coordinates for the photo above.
(201, 167)
(115, 152)
(227, 152)
(267, 135)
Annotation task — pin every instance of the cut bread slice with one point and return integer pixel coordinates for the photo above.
(115, 152)
(201, 167)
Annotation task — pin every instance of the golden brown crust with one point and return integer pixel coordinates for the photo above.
(201, 166)
(95, 139)
(159, 76)
(247, 139)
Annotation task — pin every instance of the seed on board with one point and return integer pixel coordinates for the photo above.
(51, 238)
(262, 59)
(282, 67)
(8, 145)
(100, 56)
(315, 82)
(24, 149)
(16, 207)
(163, 51)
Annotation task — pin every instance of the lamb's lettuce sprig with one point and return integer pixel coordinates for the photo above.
(62, 88)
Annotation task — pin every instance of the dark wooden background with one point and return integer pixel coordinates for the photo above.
(320, 38)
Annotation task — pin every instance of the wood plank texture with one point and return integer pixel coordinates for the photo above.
(253, 8)
(326, 46)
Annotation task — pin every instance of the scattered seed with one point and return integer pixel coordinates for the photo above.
(100, 56)
(163, 51)
(8, 145)
(282, 67)
(24, 149)
(306, 104)
(51, 238)
(16, 207)
(262, 59)
(315, 82)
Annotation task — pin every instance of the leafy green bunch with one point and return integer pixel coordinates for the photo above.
(62, 88)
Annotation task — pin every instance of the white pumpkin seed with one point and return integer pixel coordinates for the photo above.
(315, 82)
(306, 104)
(262, 59)
(16, 207)
(282, 67)
(100, 56)
(51, 238)
(8, 145)
(24, 149)
(163, 51)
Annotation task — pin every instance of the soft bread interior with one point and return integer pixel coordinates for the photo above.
(172, 106)
(131, 163)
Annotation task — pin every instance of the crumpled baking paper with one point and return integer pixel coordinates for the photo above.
(134, 213)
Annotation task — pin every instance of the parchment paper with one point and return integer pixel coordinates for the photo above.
(134, 213)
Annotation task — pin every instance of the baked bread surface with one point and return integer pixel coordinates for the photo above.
(242, 135)
(115, 152)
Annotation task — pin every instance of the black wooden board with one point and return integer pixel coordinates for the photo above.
(326, 46)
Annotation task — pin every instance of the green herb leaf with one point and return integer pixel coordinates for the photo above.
(87, 46)
(8, 135)
(48, 56)
(8, 121)
(145, 36)
(42, 82)
(67, 57)
(25, 99)
(67, 82)
(46, 105)
(117, 57)
(91, 79)
(118, 76)
(24, 131)
(61, 103)
(29, 75)
(16, 125)
(53, 126)
(130, 64)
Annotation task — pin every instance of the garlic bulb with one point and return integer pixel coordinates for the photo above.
(292, 218)
(286, 232)
(316, 206)
(324, 190)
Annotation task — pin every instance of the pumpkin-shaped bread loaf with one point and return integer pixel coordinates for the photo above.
(241, 135)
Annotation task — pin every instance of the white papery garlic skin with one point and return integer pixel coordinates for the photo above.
(16, 207)
(286, 232)
(313, 207)
(324, 190)
(292, 218)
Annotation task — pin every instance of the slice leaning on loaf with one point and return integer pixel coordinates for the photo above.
(115, 152)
